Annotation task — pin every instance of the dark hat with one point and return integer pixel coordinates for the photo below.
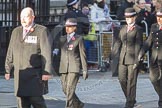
(130, 12)
(159, 13)
(71, 22)
(71, 2)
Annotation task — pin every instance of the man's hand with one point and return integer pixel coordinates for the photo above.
(55, 51)
(46, 77)
(85, 75)
(140, 58)
(134, 66)
(7, 76)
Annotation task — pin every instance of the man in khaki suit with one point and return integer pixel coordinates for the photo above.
(73, 61)
(29, 53)
(129, 42)
(153, 44)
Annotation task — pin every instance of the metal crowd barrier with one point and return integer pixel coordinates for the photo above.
(105, 41)
(147, 34)
(92, 51)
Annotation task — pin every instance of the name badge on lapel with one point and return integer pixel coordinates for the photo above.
(31, 39)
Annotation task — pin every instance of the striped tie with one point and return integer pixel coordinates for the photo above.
(68, 38)
(25, 31)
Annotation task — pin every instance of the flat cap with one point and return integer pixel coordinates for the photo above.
(130, 12)
(159, 12)
(71, 22)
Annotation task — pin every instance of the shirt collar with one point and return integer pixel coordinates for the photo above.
(71, 34)
(131, 24)
(28, 28)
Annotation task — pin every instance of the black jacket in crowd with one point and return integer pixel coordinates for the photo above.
(82, 20)
(121, 9)
(146, 16)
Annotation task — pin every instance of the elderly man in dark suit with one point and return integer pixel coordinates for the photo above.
(73, 61)
(154, 45)
(129, 43)
(29, 53)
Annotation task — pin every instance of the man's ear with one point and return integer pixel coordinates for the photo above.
(33, 16)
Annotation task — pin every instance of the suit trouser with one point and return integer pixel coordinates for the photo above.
(156, 80)
(28, 101)
(69, 82)
(128, 81)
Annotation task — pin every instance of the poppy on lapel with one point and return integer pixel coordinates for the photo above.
(160, 28)
(31, 29)
(73, 38)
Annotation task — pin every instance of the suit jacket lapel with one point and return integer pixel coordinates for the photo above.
(30, 31)
(157, 27)
(64, 41)
(124, 30)
(72, 38)
(132, 32)
(21, 34)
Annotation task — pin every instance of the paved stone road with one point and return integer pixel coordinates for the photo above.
(99, 91)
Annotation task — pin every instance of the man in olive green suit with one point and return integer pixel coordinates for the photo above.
(128, 44)
(29, 53)
(73, 61)
(154, 45)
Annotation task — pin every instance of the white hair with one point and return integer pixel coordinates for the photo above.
(28, 9)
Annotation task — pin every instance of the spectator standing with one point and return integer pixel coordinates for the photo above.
(143, 14)
(29, 53)
(154, 45)
(156, 5)
(99, 14)
(74, 12)
(121, 9)
(86, 9)
(73, 61)
(128, 45)
(89, 2)
(90, 39)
